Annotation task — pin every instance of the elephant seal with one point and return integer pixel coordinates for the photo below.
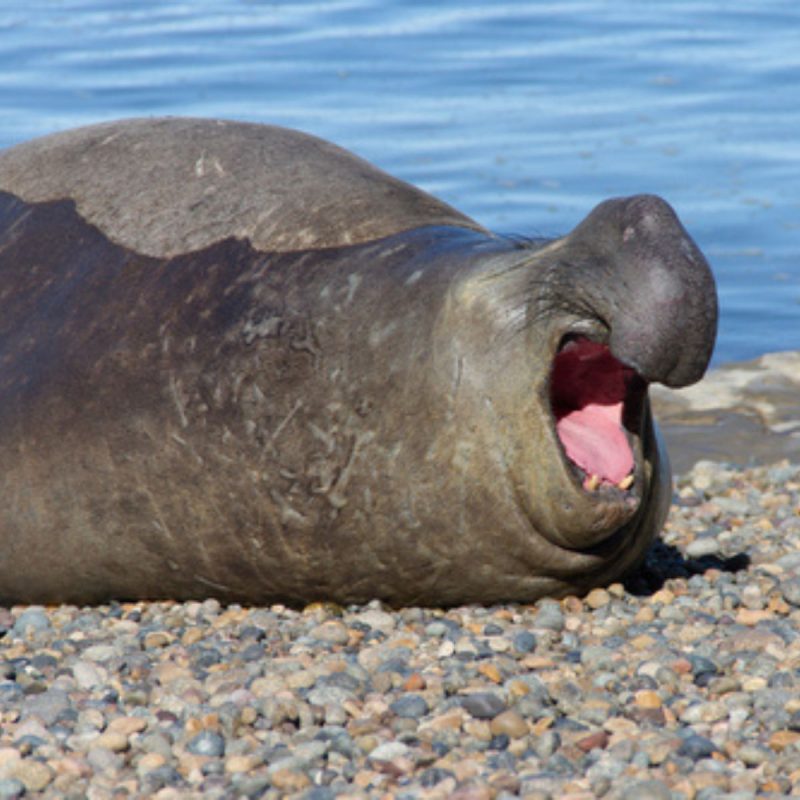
(237, 361)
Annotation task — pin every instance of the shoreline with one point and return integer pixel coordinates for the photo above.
(744, 413)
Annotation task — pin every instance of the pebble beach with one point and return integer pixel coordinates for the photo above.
(683, 683)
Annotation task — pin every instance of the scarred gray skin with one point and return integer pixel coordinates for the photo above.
(237, 361)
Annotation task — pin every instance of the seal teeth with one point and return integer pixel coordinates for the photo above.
(593, 481)
(626, 482)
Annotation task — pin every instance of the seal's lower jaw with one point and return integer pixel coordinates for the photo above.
(597, 406)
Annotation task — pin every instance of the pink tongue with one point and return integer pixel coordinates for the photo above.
(592, 437)
(588, 388)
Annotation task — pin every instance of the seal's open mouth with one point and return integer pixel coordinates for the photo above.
(593, 395)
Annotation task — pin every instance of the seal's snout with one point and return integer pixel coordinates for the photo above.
(659, 298)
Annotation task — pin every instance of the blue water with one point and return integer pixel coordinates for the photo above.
(521, 114)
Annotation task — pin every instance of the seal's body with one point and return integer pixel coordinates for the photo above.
(238, 361)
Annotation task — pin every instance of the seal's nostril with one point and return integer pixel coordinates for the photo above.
(658, 295)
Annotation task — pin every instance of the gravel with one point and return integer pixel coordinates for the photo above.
(682, 684)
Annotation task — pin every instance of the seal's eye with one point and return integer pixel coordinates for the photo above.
(588, 388)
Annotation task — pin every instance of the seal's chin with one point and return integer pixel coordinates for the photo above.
(596, 402)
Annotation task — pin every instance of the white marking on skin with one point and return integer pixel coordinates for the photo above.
(186, 444)
(212, 584)
(174, 389)
(203, 163)
(414, 277)
(688, 250)
(258, 395)
(159, 522)
(336, 494)
(663, 283)
(327, 439)
(392, 251)
(378, 337)
(236, 386)
(298, 404)
(288, 513)
(267, 327)
(353, 280)
(452, 396)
